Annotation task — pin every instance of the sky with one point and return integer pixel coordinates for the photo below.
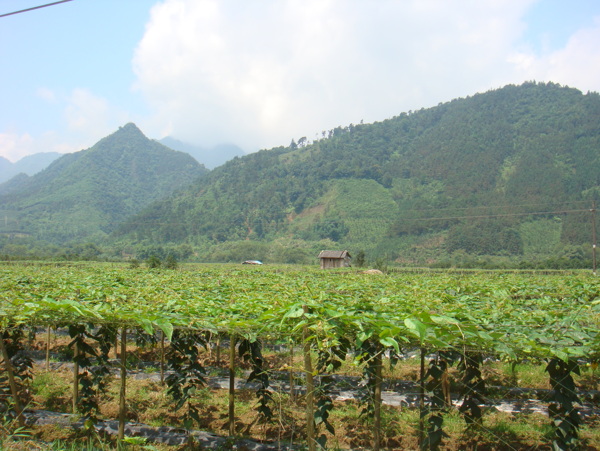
(259, 73)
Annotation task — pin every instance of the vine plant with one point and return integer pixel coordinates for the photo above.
(92, 367)
(496, 322)
(329, 360)
(251, 351)
(187, 375)
(562, 410)
(15, 383)
(368, 350)
(436, 384)
(473, 388)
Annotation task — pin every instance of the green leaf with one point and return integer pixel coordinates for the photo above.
(295, 312)
(416, 326)
(166, 327)
(390, 342)
(146, 325)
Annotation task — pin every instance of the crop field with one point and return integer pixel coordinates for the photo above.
(336, 359)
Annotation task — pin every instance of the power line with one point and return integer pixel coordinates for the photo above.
(34, 8)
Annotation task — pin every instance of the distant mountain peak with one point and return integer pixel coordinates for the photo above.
(130, 127)
(97, 188)
(209, 157)
(129, 130)
(30, 165)
(126, 138)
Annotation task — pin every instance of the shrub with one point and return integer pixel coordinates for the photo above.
(153, 262)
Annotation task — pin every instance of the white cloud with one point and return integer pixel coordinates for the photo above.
(47, 94)
(263, 72)
(85, 110)
(14, 146)
(260, 73)
(91, 116)
(87, 118)
(576, 65)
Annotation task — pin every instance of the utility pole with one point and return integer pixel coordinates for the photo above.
(593, 210)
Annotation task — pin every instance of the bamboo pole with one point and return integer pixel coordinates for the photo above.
(48, 349)
(162, 358)
(232, 385)
(13, 384)
(310, 391)
(75, 377)
(291, 375)
(122, 392)
(377, 399)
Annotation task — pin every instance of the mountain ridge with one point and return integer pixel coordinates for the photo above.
(410, 179)
(509, 175)
(29, 165)
(87, 193)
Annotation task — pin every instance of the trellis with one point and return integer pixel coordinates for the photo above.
(330, 316)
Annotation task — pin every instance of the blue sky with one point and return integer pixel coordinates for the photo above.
(259, 73)
(550, 23)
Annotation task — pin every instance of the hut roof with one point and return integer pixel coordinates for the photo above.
(334, 254)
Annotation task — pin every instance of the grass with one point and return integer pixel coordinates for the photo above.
(525, 375)
(51, 391)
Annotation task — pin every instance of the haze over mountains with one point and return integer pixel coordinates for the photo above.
(209, 157)
(29, 165)
(510, 173)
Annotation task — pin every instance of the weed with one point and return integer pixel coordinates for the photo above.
(9, 432)
(52, 393)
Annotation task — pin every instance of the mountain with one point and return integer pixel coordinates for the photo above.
(211, 157)
(29, 165)
(85, 195)
(14, 184)
(5, 166)
(511, 172)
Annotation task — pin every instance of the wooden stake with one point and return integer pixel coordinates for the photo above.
(232, 385)
(75, 377)
(48, 349)
(292, 393)
(122, 392)
(13, 384)
(377, 401)
(162, 358)
(310, 391)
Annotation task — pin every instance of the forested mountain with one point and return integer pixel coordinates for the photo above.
(29, 165)
(509, 172)
(85, 195)
(209, 157)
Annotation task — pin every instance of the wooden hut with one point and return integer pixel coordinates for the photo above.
(334, 259)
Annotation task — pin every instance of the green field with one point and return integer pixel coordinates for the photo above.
(341, 322)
